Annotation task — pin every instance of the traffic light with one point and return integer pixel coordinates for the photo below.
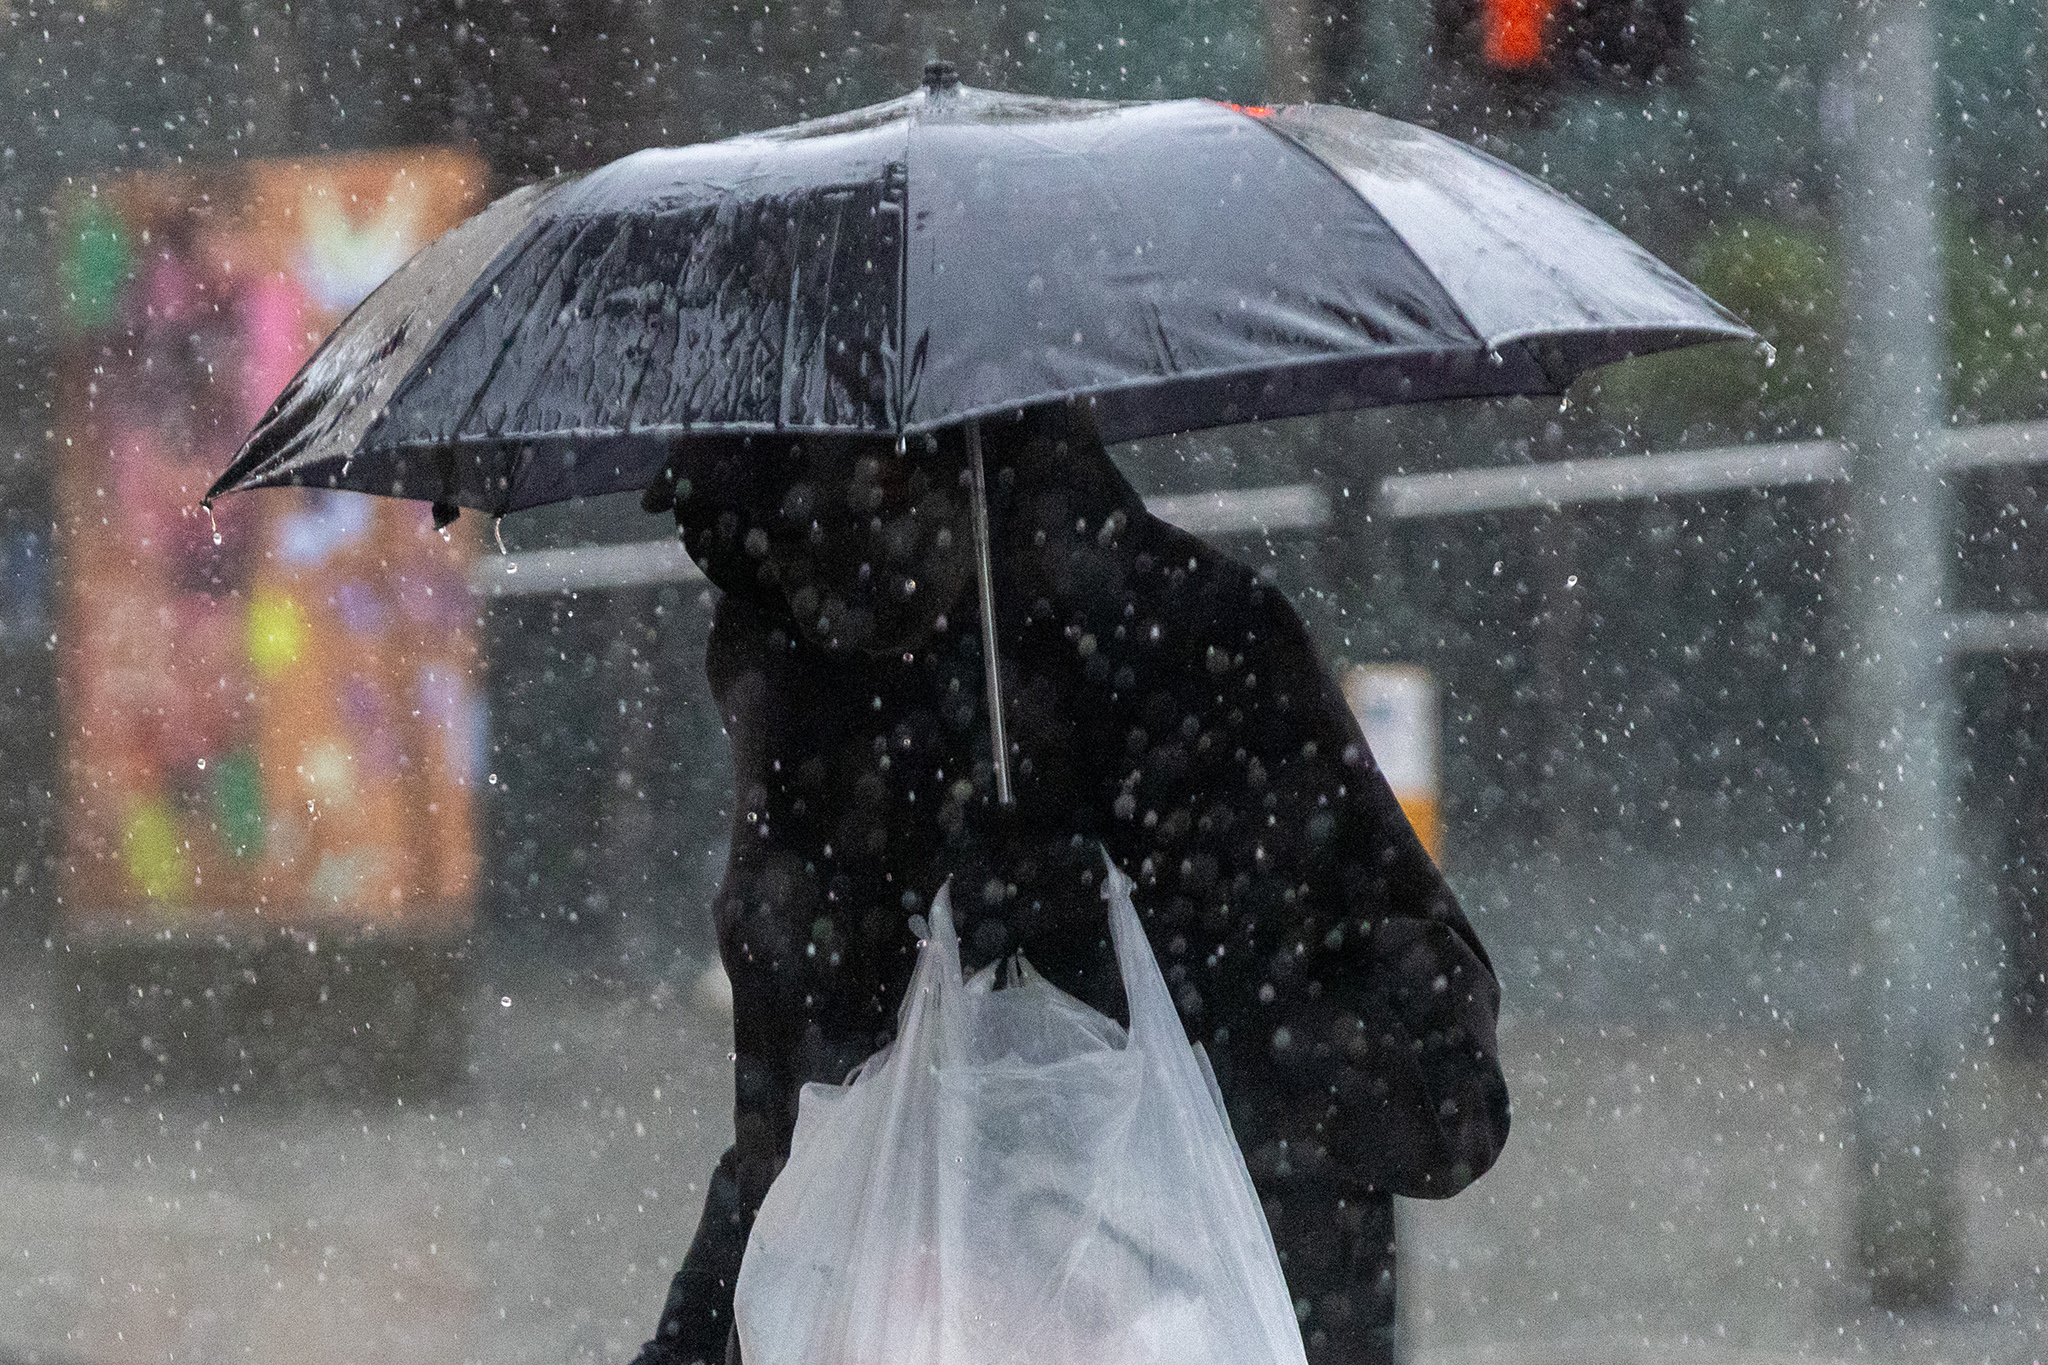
(1546, 42)
(1512, 32)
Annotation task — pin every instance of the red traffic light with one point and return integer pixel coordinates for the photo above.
(1537, 43)
(1514, 32)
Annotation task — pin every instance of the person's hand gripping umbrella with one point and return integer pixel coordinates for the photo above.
(949, 257)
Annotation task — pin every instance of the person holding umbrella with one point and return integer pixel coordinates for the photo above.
(866, 367)
(1163, 703)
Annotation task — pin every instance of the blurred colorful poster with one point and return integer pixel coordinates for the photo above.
(278, 722)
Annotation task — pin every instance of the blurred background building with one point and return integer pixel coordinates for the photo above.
(1636, 612)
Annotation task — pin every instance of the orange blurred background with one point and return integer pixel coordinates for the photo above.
(277, 724)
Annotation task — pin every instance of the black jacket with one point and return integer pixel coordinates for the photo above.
(1162, 702)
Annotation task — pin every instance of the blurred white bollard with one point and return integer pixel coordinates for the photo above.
(713, 991)
(1396, 708)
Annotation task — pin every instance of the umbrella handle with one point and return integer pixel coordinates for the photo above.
(984, 574)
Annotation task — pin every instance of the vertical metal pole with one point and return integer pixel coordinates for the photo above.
(1901, 811)
(984, 575)
(1311, 47)
(273, 65)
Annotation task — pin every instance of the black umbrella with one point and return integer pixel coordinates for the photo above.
(952, 255)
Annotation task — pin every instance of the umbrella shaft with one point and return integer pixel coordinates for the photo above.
(984, 576)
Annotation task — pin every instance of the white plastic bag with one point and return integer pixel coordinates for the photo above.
(1014, 1182)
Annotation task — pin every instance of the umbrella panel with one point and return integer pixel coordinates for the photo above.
(1145, 257)
(316, 426)
(1524, 263)
(947, 257)
(706, 297)
(955, 254)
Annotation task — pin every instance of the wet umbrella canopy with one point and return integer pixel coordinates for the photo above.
(952, 255)
(957, 253)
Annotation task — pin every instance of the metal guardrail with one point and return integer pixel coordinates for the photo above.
(1464, 492)
(1461, 492)
(584, 568)
(1568, 482)
(1996, 632)
(1245, 511)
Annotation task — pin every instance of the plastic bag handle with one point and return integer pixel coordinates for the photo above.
(944, 936)
(940, 967)
(1154, 1017)
(1183, 1068)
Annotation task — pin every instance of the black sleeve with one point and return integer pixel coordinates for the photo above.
(1394, 999)
(1342, 993)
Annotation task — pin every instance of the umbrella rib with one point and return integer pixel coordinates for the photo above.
(505, 350)
(984, 574)
(903, 282)
(631, 402)
(322, 425)
(796, 280)
(475, 296)
(824, 397)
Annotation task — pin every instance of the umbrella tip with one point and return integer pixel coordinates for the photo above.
(941, 76)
